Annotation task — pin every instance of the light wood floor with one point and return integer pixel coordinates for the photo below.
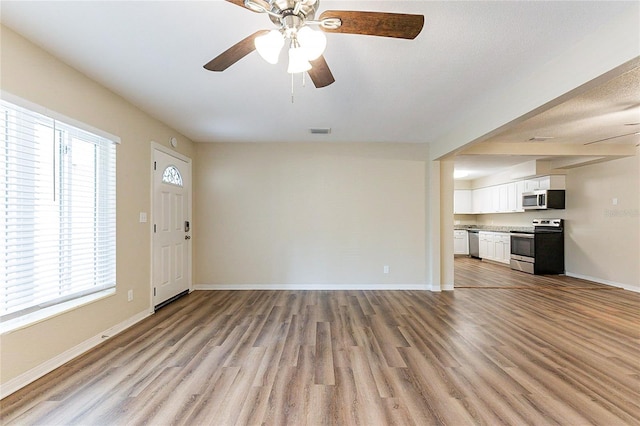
(523, 350)
(475, 273)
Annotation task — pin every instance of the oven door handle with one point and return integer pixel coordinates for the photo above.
(522, 235)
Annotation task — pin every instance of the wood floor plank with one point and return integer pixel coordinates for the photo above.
(230, 407)
(379, 365)
(396, 412)
(367, 403)
(504, 348)
(346, 397)
(324, 370)
(270, 362)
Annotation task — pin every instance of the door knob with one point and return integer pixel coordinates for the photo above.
(187, 237)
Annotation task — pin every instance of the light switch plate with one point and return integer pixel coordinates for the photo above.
(143, 217)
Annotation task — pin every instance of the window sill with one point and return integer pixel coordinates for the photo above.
(52, 311)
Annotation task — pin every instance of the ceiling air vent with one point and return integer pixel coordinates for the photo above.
(320, 131)
(540, 138)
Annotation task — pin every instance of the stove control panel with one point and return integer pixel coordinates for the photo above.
(556, 223)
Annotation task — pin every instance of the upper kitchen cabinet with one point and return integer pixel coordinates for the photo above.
(462, 201)
(481, 200)
(492, 199)
(551, 182)
(503, 198)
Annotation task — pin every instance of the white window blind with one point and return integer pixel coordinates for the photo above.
(58, 212)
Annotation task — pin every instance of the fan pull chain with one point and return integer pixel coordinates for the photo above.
(304, 82)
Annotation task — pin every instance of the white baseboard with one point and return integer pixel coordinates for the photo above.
(312, 287)
(601, 281)
(46, 367)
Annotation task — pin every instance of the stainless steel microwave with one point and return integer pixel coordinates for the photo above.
(543, 199)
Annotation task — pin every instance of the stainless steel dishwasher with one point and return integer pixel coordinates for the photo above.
(474, 244)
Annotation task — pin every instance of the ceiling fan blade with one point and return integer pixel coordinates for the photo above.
(383, 24)
(234, 53)
(237, 2)
(320, 73)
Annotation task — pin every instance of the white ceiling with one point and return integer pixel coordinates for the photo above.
(152, 53)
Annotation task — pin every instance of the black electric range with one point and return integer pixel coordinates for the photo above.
(541, 250)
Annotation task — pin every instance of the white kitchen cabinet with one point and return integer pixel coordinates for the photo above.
(531, 185)
(487, 200)
(512, 198)
(494, 199)
(481, 200)
(545, 182)
(506, 242)
(498, 252)
(505, 198)
(486, 246)
(495, 246)
(519, 190)
(462, 201)
(460, 242)
(502, 245)
(551, 182)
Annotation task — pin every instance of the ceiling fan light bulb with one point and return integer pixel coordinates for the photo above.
(259, 6)
(298, 61)
(312, 41)
(270, 45)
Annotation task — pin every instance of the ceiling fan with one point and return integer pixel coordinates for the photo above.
(294, 19)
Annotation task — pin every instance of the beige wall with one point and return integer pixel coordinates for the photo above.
(603, 240)
(446, 222)
(309, 214)
(34, 75)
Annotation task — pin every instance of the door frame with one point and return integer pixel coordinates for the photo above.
(155, 146)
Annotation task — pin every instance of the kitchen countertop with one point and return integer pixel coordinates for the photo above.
(493, 228)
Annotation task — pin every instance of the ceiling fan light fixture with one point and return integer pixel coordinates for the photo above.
(292, 16)
(298, 61)
(312, 41)
(270, 45)
(260, 6)
(331, 23)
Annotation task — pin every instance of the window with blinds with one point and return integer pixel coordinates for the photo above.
(58, 212)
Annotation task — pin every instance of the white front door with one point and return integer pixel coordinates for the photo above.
(171, 226)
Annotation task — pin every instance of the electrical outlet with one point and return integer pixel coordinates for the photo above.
(385, 269)
(130, 295)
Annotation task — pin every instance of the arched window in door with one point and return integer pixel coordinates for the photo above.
(172, 176)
